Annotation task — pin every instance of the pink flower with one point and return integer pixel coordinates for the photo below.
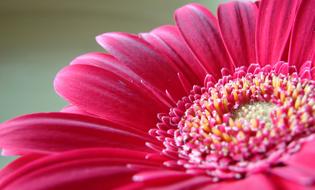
(211, 103)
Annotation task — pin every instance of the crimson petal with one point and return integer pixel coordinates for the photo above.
(108, 95)
(237, 23)
(145, 60)
(169, 41)
(75, 110)
(304, 159)
(284, 184)
(275, 21)
(158, 178)
(251, 182)
(302, 47)
(17, 164)
(107, 62)
(200, 30)
(55, 132)
(82, 169)
(296, 175)
(192, 183)
(111, 64)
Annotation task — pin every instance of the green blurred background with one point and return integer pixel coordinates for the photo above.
(38, 38)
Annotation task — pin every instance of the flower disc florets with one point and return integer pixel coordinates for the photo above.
(241, 125)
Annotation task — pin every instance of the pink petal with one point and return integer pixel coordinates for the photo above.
(191, 183)
(303, 37)
(284, 184)
(82, 169)
(160, 177)
(237, 23)
(97, 59)
(169, 41)
(142, 58)
(313, 72)
(275, 21)
(200, 30)
(107, 62)
(131, 186)
(17, 164)
(54, 132)
(304, 158)
(164, 48)
(76, 110)
(111, 64)
(257, 181)
(296, 175)
(105, 94)
(10, 152)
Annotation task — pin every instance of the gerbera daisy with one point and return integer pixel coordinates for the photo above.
(211, 103)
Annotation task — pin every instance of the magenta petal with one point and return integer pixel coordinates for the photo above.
(55, 132)
(296, 175)
(302, 47)
(17, 164)
(304, 158)
(145, 60)
(75, 110)
(83, 169)
(163, 47)
(275, 21)
(158, 178)
(111, 64)
(250, 182)
(105, 94)
(169, 41)
(284, 184)
(171, 35)
(191, 183)
(97, 59)
(131, 186)
(107, 62)
(237, 23)
(200, 30)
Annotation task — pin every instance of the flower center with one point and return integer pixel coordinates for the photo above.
(241, 125)
(250, 112)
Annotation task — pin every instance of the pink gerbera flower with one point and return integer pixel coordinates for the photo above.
(211, 103)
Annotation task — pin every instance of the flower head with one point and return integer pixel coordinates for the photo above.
(220, 103)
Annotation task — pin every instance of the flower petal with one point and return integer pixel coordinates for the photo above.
(111, 64)
(237, 24)
(284, 184)
(75, 110)
(55, 132)
(98, 59)
(295, 175)
(142, 58)
(190, 183)
(200, 30)
(82, 169)
(169, 41)
(250, 182)
(17, 164)
(107, 62)
(302, 46)
(303, 159)
(300, 169)
(105, 94)
(275, 21)
(158, 178)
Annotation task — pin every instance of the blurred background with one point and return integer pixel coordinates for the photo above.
(38, 38)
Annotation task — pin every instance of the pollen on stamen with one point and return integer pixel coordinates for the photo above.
(241, 125)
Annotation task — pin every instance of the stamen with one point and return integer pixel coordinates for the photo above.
(240, 125)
